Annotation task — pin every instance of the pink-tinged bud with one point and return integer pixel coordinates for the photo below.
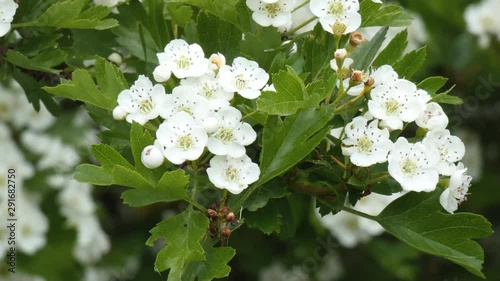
(340, 54)
(217, 61)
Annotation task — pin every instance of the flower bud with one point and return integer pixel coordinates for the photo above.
(224, 211)
(119, 113)
(115, 58)
(356, 39)
(211, 213)
(162, 73)
(230, 217)
(210, 124)
(217, 61)
(340, 54)
(225, 232)
(152, 157)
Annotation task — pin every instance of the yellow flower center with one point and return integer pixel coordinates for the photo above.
(408, 167)
(185, 142)
(231, 174)
(336, 9)
(225, 135)
(183, 62)
(146, 106)
(273, 9)
(391, 107)
(365, 145)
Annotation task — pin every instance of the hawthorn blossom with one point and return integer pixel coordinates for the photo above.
(244, 77)
(349, 229)
(208, 87)
(277, 13)
(91, 241)
(217, 61)
(401, 101)
(182, 138)
(457, 190)
(451, 149)
(232, 135)
(185, 99)
(384, 75)
(233, 174)
(7, 11)
(182, 59)
(142, 102)
(432, 118)
(33, 226)
(337, 16)
(482, 20)
(152, 156)
(366, 145)
(414, 165)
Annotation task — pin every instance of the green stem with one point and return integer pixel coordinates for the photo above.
(351, 101)
(378, 179)
(300, 6)
(357, 107)
(192, 200)
(358, 213)
(291, 32)
(249, 114)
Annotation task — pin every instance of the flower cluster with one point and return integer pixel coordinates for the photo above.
(197, 114)
(482, 20)
(336, 16)
(394, 103)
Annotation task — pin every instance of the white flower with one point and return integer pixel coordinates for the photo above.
(7, 11)
(142, 101)
(345, 69)
(76, 201)
(451, 149)
(482, 20)
(32, 227)
(341, 15)
(365, 145)
(340, 53)
(401, 101)
(91, 241)
(233, 174)
(432, 118)
(208, 87)
(152, 156)
(300, 16)
(109, 3)
(457, 190)
(244, 77)
(185, 99)
(232, 135)
(182, 138)
(384, 75)
(351, 229)
(269, 88)
(54, 153)
(277, 14)
(183, 60)
(115, 58)
(414, 165)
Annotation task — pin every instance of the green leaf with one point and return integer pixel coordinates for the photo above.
(70, 14)
(447, 99)
(318, 51)
(261, 47)
(363, 55)
(374, 14)
(285, 143)
(289, 96)
(274, 189)
(155, 22)
(93, 174)
(267, 219)
(415, 219)
(182, 234)
(394, 50)
(225, 10)
(432, 84)
(171, 187)
(179, 13)
(108, 157)
(44, 61)
(217, 35)
(83, 88)
(33, 90)
(214, 266)
(410, 63)
(129, 177)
